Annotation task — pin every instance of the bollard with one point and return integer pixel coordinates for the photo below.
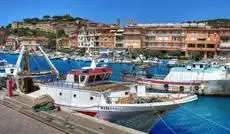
(9, 84)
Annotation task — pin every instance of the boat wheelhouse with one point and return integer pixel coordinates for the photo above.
(89, 76)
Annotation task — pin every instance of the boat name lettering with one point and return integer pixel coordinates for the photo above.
(110, 108)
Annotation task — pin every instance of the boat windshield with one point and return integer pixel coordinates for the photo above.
(82, 78)
(91, 78)
(76, 78)
(99, 77)
(107, 76)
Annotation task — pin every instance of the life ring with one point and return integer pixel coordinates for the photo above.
(181, 88)
(166, 87)
(196, 88)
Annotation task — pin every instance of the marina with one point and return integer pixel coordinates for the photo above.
(150, 126)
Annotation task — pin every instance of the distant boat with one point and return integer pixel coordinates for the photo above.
(199, 77)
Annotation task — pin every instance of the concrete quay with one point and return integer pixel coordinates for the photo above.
(17, 110)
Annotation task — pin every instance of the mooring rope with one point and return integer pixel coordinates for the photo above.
(162, 120)
(209, 120)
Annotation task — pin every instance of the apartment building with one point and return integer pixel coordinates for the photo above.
(88, 37)
(73, 39)
(119, 39)
(205, 41)
(132, 37)
(164, 38)
(224, 40)
(106, 37)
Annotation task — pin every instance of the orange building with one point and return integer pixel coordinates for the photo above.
(164, 38)
(205, 41)
(132, 37)
(224, 40)
(106, 37)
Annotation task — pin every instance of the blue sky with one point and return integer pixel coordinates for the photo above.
(107, 11)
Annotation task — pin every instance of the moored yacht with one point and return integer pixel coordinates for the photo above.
(90, 91)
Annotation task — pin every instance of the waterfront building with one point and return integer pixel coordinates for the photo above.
(106, 37)
(204, 41)
(73, 39)
(164, 37)
(119, 38)
(224, 40)
(88, 37)
(132, 37)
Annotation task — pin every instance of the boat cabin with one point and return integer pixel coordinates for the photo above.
(197, 66)
(89, 76)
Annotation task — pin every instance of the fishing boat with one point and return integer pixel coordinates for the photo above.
(89, 91)
(199, 77)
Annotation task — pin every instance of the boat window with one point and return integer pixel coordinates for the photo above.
(82, 78)
(201, 66)
(91, 78)
(107, 76)
(194, 65)
(99, 77)
(76, 78)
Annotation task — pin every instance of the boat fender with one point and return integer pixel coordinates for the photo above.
(166, 86)
(181, 88)
(196, 88)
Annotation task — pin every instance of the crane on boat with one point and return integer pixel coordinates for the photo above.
(24, 52)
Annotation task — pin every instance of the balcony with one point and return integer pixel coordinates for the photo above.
(132, 32)
(225, 45)
(157, 41)
(201, 42)
(200, 49)
(162, 47)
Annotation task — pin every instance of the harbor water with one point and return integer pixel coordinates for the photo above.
(206, 115)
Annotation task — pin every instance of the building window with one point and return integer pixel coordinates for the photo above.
(201, 46)
(210, 46)
(174, 38)
(192, 45)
